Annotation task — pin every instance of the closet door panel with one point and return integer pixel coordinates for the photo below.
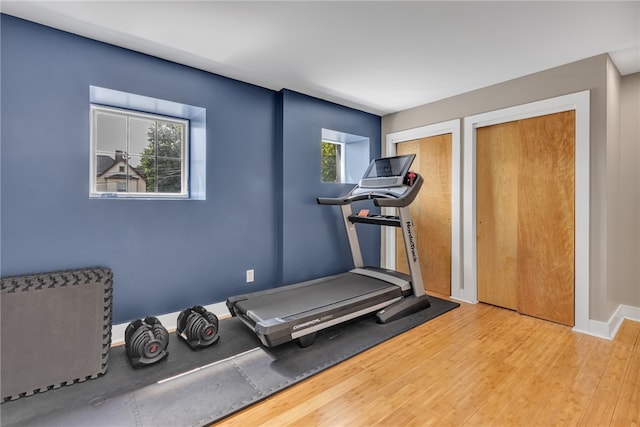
(525, 216)
(497, 214)
(546, 217)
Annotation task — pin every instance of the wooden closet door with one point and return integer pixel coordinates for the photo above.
(497, 214)
(431, 211)
(525, 216)
(546, 282)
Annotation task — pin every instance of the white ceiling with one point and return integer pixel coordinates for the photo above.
(377, 56)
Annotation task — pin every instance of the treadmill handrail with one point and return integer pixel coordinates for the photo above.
(333, 200)
(405, 200)
(380, 197)
(353, 198)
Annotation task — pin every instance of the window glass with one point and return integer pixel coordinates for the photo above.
(110, 131)
(141, 134)
(331, 161)
(138, 154)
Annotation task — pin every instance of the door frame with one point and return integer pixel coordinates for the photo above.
(578, 102)
(388, 233)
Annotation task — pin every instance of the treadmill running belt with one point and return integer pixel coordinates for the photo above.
(316, 295)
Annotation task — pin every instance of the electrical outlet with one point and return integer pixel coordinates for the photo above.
(249, 276)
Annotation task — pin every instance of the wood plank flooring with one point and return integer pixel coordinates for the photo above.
(477, 365)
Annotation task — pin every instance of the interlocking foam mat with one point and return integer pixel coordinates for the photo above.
(194, 388)
(55, 329)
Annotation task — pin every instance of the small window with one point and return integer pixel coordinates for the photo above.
(344, 157)
(332, 161)
(138, 155)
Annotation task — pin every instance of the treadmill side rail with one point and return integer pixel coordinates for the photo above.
(341, 319)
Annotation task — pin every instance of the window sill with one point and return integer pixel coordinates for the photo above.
(139, 196)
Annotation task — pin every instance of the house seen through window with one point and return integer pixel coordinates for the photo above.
(138, 154)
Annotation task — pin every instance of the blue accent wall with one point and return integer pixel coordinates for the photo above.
(314, 242)
(262, 154)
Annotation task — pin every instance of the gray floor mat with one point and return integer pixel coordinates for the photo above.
(193, 388)
(55, 329)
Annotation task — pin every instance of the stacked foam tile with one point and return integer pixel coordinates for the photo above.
(55, 329)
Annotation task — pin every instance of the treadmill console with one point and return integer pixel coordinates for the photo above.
(387, 182)
(387, 172)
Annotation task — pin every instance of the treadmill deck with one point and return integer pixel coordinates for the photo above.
(315, 296)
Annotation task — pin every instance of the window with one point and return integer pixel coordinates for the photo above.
(138, 154)
(131, 111)
(344, 157)
(332, 161)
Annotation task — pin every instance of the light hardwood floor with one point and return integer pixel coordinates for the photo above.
(476, 365)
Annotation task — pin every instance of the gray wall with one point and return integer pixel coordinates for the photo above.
(597, 75)
(628, 179)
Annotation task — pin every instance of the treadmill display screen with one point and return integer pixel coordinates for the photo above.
(389, 166)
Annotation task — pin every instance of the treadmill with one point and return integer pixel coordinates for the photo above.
(299, 311)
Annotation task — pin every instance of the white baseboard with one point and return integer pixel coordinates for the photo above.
(460, 299)
(608, 330)
(169, 321)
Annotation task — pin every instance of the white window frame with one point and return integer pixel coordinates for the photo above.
(184, 164)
